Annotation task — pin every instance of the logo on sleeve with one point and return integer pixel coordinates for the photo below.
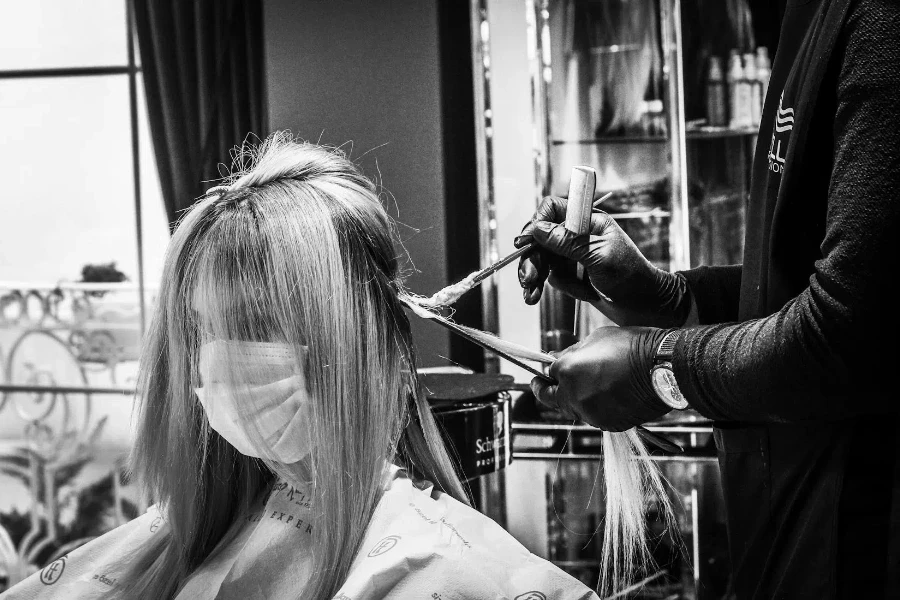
(52, 572)
(784, 123)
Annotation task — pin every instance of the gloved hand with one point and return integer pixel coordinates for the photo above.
(604, 380)
(641, 293)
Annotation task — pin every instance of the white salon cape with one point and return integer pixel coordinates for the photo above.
(421, 544)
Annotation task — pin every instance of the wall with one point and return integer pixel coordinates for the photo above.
(515, 194)
(366, 74)
(516, 198)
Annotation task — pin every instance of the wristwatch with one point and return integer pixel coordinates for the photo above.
(663, 377)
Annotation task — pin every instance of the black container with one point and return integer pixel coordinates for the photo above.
(473, 414)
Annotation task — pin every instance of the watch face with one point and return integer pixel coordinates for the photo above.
(666, 387)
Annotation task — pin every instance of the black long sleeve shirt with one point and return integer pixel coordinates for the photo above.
(814, 357)
(795, 359)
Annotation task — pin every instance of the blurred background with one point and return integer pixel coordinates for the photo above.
(117, 114)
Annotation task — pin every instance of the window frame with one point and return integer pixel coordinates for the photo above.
(131, 69)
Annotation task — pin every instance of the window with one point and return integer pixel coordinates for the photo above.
(75, 158)
(79, 186)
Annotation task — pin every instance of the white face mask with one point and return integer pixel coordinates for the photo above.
(257, 386)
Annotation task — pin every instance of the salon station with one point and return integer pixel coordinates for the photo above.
(259, 257)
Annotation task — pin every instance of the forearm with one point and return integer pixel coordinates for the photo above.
(807, 362)
(822, 356)
(715, 292)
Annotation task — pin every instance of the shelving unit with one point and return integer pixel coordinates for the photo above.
(680, 194)
(691, 134)
(692, 180)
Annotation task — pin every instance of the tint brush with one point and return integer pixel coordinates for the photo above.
(450, 294)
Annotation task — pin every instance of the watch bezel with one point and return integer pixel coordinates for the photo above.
(671, 395)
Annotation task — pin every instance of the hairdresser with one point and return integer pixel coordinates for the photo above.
(792, 354)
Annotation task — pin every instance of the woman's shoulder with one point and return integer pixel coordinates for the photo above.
(422, 542)
(91, 569)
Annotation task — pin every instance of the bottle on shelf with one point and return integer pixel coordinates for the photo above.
(751, 75)
(653, 118)
(738, 93)
(763, 71)
(716, 103)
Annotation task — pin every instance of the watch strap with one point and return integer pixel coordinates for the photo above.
(666, 349)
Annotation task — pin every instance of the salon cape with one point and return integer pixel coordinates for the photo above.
(421, 543)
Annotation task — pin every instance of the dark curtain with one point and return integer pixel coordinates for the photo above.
(204, 81)
(460, 171)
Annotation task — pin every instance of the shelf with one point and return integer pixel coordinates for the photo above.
(700, 426)
(694, 134)
(595, 457)
(617, 139)
(713, 133)
(656, 213)
(558, 441)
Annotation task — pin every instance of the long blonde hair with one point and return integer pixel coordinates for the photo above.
(298, 249)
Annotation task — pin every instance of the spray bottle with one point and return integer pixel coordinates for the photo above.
(738, 93)
(763, 71)
(753, 84)
(716, 102)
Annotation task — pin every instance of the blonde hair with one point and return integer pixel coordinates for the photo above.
(630, 478)
(297, 249)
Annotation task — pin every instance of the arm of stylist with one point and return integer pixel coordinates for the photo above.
(821, 354)
(820, 357)
(811, 360)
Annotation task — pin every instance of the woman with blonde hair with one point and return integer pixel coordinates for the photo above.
(281, 433)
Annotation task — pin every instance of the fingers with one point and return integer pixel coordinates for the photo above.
(533, 271)
(535, 267)
(586, 249)
(551, 209)
(548, 394)
(532, 296)
(559, 240)
(600, 221)
(544, 391)
(553, 212)
(553, 371)
(539, 268)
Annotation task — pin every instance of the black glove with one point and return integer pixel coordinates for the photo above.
(641, 293)
(604, 380)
